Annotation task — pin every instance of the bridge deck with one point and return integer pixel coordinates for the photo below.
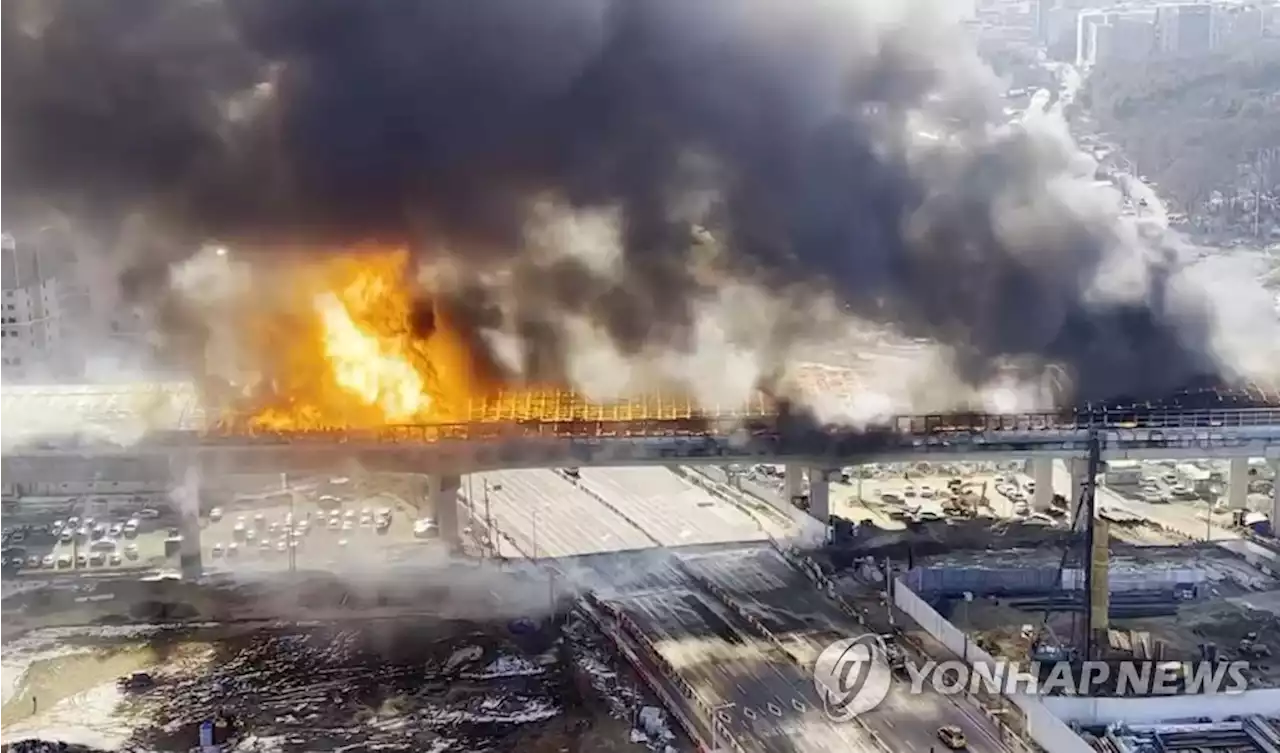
(172, 412)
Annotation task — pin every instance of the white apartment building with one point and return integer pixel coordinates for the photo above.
(1185, 30)
(31, 315)
(1237, 25)
(1129, 33)
(59, 318)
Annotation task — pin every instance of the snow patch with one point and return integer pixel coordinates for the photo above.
(506, 666)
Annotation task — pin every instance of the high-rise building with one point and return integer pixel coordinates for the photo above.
(1185, 30)
(1238, 25)
(1085, 36)
(1041, 15)
(32, 316)
(60, 316)
(1133, 37)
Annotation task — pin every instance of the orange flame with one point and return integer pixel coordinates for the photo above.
(337, 349)
(344, 353)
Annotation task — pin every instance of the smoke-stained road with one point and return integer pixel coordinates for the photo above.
(766, 699)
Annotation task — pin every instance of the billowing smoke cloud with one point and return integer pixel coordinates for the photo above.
(667, 177)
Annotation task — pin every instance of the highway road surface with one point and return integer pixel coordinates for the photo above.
(606, 509)
(549, 517)
(671, 511)
(767, 701)
(767, 704)
(789, 606)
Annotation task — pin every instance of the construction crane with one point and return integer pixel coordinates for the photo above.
(1086, 549)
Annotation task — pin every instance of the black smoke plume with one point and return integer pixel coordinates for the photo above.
(852, 148)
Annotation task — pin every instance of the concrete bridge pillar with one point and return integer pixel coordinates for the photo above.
(186, 498)
(793, 478)
(1275, 494)
(442, 498)
(1042, 474)
(820, 495)
(1068, 480)
(1238, 484)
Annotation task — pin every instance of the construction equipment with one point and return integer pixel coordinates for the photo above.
(1086, 550)
(1250, 646)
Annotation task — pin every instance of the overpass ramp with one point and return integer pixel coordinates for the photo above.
(546, 516)
(670, 510)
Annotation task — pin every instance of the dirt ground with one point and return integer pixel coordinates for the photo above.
(392, 685)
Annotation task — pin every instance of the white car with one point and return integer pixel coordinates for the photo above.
(425, 529)
(334, 524)
(49, 560)
(216, 551)
(131, 551)
(215, 514)
(148, 512)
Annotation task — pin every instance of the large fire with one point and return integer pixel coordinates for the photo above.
(345, 343)
(343, 350)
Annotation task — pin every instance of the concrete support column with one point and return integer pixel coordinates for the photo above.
(1042, 474)
(1068, 480)
(819, 495)
(186, 498)
(442, 497)
(1238, 484)
(793, 479)
(1275, 494)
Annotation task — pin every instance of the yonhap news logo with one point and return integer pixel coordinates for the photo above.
(854, 676)
(1112, 678)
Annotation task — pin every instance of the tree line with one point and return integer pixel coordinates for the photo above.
(1192, 124)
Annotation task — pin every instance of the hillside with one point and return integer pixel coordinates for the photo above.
(1192, 124)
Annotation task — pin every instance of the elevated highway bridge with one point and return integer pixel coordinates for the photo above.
(81, 437)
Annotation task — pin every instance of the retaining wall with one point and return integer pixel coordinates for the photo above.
(1215, 706)
(1050, 733)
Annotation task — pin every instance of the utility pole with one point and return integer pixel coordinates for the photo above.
(1089, 505)
(1260, 157)
(290, 540)
(488, 522)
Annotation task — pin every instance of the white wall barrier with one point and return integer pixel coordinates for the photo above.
(1215, 706)
(690, 727)
(1050, 733)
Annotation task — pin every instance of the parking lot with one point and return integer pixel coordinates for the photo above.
(127, 537)
(891, 494)
(310, 530)
(314, 526)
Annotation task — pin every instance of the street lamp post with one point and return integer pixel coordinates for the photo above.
(488, 522)
(290, 539)
(1260, 157)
